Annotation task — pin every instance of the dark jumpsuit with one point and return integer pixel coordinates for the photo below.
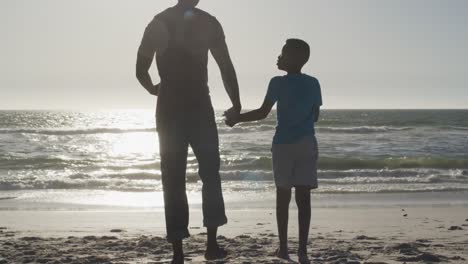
(185, 117)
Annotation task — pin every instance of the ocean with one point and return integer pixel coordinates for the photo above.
(111, 157)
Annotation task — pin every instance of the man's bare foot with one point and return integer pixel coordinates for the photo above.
(213, 253)
(177, 259)
(282, 254)
(177, 248)
(303, 258)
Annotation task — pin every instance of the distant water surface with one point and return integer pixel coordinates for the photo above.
(361, 151)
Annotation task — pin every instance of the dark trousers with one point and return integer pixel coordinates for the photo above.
(197, 129)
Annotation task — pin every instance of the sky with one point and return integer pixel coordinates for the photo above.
(70, 54)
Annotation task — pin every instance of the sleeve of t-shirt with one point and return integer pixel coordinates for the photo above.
(217, 34)
(273, 91)
(318, 95)
(155, 39)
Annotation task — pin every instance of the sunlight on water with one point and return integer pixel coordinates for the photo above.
(112, 157)
(142, 144)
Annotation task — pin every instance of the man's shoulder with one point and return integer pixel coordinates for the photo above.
(205, 14)
(209, 20)
(170, 14)
(164, 14)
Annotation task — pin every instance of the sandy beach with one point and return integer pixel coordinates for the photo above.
(388, 234)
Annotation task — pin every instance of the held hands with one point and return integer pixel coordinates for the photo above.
(232, 116)
(155, 90)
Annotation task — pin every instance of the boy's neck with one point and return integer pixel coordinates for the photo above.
(294, 72)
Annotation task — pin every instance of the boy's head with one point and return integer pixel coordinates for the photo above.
(294, 56)
(188, 3)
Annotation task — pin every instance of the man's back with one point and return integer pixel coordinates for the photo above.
(181, 41)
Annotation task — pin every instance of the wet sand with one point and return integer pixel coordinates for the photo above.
(338, 235)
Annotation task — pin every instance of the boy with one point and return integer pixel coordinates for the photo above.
(295, 149)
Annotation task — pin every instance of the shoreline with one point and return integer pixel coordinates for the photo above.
(91, 200)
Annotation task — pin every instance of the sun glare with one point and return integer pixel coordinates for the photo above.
(136, 144)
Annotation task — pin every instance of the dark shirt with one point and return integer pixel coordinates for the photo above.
(181, 42)
(297, 96)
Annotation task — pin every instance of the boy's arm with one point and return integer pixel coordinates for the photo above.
(255, 115)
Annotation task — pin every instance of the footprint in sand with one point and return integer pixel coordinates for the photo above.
(425, 257)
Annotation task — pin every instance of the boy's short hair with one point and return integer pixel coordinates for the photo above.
(300, 49)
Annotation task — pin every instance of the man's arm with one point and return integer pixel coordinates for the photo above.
(143, 65)
(228, 73)
(155, 40)
(255, 115)
(142, 73)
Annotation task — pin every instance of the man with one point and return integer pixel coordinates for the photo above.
(181, 37)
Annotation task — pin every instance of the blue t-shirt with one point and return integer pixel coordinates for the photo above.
(297, 95)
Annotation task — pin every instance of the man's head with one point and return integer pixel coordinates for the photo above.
(188, 3)
(294, 56)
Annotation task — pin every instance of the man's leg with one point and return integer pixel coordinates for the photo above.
(283, 197)
(205, 145)
(173, 152)
(178, 252)
(303, 205)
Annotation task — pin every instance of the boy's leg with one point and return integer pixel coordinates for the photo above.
(283, 197)
(303, 205)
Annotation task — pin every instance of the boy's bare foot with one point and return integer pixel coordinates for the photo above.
(282, 254)
(303, 258)
(213, 253)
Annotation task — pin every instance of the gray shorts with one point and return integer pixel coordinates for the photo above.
(296, 164)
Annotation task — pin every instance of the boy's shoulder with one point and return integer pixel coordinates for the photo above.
(312, 82)
(309, 77)
(285, 78)
(276, 81)
(277, 78)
